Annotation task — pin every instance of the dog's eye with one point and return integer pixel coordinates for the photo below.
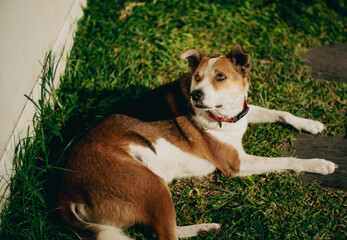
(220, 77)
(197, 78)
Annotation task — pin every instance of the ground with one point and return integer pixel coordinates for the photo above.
(328, 63)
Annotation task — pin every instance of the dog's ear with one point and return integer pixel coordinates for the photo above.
(193, 58)
(240, 58)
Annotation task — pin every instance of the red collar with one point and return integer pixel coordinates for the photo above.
(233, 119)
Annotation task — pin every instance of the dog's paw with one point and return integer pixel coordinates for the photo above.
(319, 166)
(311, 126)
(197, 230)
(213, 228)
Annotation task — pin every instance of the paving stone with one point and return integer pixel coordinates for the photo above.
(330, 148)
(328, 62)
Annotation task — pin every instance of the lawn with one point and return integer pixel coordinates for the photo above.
(123, 49)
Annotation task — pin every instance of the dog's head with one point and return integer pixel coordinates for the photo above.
(218, 81)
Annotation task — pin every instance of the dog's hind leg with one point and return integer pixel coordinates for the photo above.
(162, 213)
(262, 115)
(163, 217)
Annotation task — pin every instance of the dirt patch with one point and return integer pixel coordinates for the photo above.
(328, 62)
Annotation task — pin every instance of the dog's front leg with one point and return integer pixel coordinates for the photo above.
(257, 165)
(262, 115)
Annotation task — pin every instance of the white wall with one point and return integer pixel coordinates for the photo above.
(29, 29)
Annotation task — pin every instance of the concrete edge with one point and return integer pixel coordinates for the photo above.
(61, 47)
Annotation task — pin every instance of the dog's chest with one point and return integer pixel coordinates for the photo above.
(231, 134)
(169, 161)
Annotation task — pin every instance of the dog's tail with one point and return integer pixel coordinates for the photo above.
(76, 215)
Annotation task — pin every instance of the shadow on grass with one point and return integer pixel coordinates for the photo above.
(79, 122)
(40, 158)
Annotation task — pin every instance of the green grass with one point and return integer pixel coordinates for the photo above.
(115, 60)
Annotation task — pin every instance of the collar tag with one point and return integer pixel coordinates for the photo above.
(220, 123)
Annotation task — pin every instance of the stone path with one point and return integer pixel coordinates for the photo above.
(327, 63)
(330, 148)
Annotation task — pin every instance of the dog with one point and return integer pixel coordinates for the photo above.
(117, 174)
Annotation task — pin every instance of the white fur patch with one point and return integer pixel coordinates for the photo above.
(211, 62)
(195, 230)
(111, 233)
(170, 162)
(206, 85)
(230, 133)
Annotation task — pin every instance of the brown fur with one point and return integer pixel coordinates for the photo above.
(118, 190)
(224, 66)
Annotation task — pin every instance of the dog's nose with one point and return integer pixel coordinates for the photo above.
(197, 95)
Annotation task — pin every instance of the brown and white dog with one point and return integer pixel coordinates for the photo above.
(118, 172)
